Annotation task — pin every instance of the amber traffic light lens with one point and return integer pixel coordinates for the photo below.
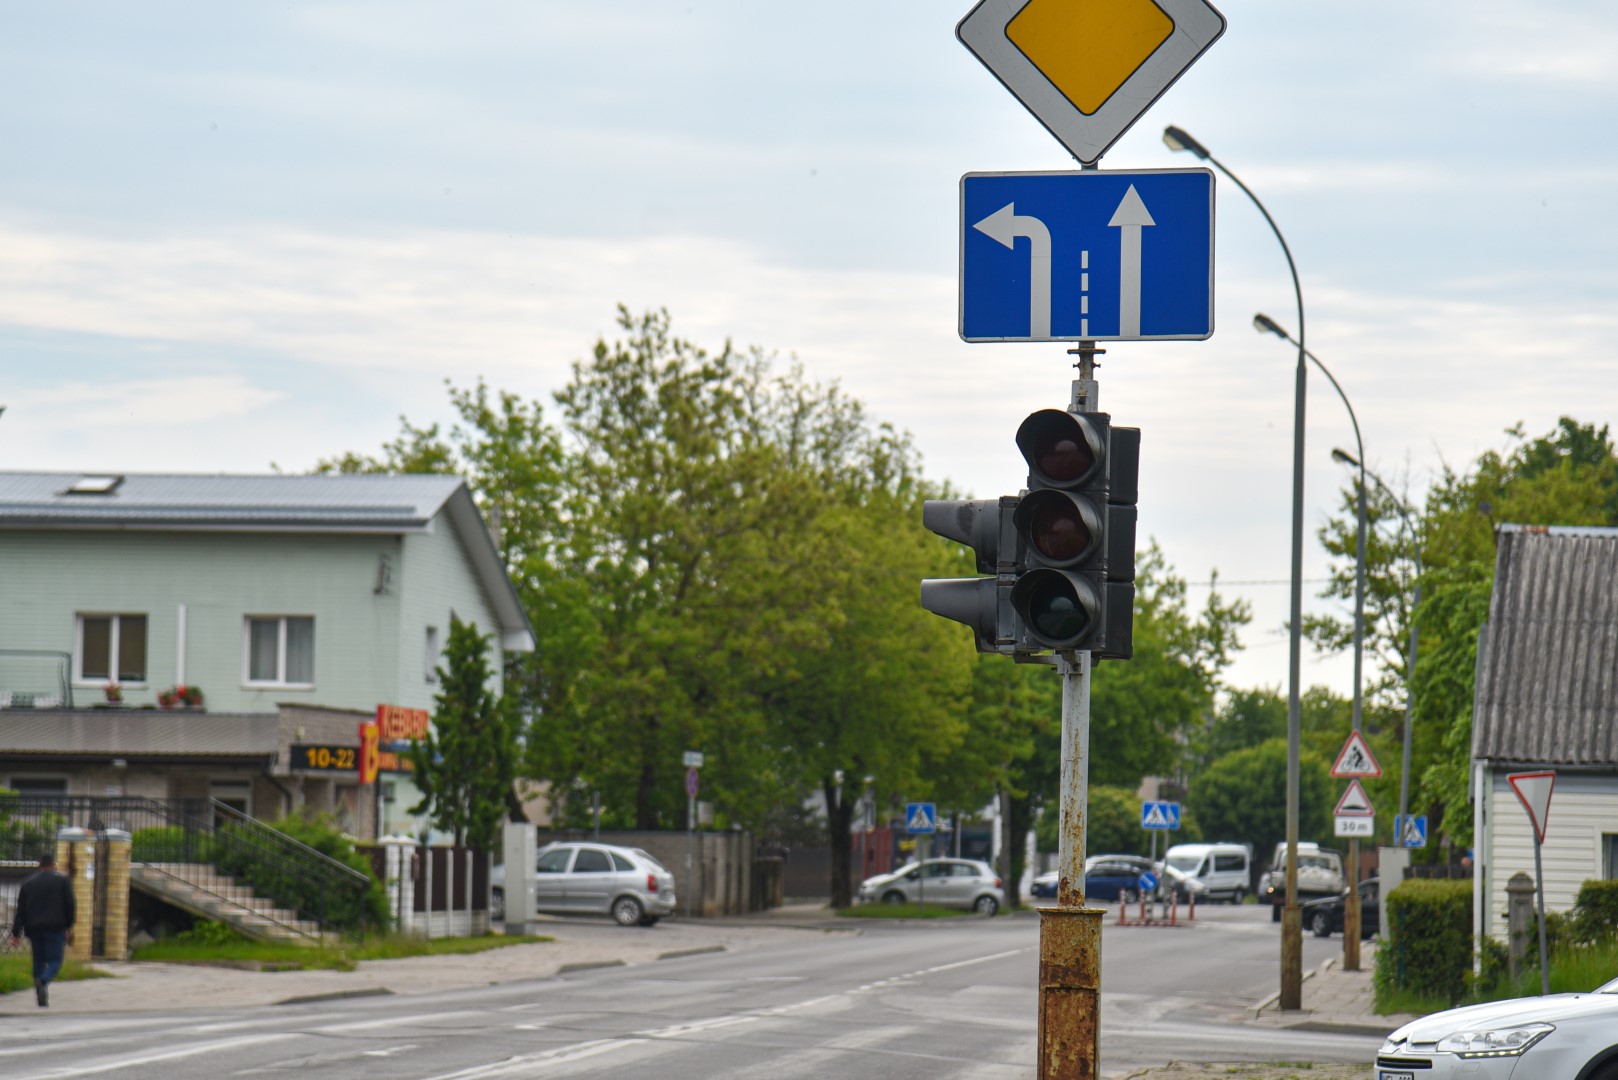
(1058, 532)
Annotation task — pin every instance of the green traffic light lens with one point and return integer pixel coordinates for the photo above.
(1057, 614)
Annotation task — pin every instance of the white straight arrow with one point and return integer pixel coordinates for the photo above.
(1128, 218)
(1005, 225)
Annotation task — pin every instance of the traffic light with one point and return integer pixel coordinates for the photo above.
(1076, 531)
(984, 604)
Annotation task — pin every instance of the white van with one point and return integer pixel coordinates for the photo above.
(1223, 869)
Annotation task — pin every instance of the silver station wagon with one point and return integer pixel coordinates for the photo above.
(598, 879)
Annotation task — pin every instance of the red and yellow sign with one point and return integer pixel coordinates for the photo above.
(399, 724)
(370, 752)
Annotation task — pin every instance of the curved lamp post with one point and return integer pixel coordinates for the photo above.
(1292, 917)
(1410, 653)
(1351, 917)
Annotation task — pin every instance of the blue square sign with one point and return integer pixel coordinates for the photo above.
(1087, 256)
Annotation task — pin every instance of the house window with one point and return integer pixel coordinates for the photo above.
(38, 785)
(111, 649)
(432, 654)
(279, 650)
(1609, 844)
(236, 794)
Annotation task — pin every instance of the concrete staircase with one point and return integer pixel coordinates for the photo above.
(205, 892)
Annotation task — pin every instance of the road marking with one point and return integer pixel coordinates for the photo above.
(390, 1051)
(549, 1057)
(1004, 226)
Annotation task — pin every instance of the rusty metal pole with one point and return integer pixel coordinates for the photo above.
(1070, 934)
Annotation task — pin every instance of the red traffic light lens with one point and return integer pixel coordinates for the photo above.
(1061, 448)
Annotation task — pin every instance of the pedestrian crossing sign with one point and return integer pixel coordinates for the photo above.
(1159, 815)
(921, 817)
(1410, 832)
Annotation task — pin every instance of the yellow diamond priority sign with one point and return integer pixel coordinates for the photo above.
(1088, 69)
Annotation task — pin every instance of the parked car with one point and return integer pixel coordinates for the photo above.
(963, 883)
(1325, 916)
(1542, 1038)
(1102, 877)
(596, 879)
(1224, 869)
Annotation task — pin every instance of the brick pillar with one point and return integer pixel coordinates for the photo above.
(116, 935)
(76, 857)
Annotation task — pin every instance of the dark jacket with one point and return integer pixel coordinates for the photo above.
(45, 902)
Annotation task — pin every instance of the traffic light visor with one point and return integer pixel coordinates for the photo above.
(1062, 527)
(1061, 609)
(1062, 449)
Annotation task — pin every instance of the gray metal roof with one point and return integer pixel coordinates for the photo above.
(168, 501)
(138, 733)
(369, 503)
(1547, 676)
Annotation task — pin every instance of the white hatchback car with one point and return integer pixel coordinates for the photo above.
(1560, 1037)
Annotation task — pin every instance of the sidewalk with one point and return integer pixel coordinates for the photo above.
(139, 987)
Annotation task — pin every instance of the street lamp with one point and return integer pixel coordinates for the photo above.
(1410, 652)
(1291, 918)
(1351, 919)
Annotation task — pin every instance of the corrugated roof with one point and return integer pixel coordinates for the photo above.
(138, 733)
(370, 502)
(1547, 683)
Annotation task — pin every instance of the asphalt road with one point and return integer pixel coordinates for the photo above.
(934, 1000)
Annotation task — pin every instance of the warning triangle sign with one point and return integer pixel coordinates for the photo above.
(1354, 803)
(1356, 759)
(1155, 818)
(920, 821)
(1534, 790)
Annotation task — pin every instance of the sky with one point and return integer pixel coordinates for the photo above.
(233, 235)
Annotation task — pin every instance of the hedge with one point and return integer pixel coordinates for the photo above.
(1429, 938)
(1595, 910)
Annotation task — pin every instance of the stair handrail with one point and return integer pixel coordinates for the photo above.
(280, 839)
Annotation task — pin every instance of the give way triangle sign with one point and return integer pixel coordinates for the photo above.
(1534, 791)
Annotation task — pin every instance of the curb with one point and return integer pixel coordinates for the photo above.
(589, 965)
(1254, 1011)
(697, 950)
(337, 995)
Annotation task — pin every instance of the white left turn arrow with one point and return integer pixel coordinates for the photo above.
(1005, 225)
(1128, 218)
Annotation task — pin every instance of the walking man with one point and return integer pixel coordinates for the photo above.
(46, 912)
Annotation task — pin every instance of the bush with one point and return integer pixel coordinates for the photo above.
(1429, 947)
(1595, 911)
(25, 838)
(170, 844)
(345, 908)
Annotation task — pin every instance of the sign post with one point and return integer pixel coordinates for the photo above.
(1354, 819)
(1534, 792)
(693, 777)
(1087, 71)
(921, 820)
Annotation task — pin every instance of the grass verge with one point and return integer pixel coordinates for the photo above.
(269, 956)
(17, 972)
(901, 911)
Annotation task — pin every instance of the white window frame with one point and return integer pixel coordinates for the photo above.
(280, 680)
(117, 617)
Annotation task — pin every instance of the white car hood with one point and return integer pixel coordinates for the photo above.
(1496, 1014)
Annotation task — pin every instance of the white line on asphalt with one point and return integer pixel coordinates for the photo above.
(152, 1059)
(549, 1057)
(396, 1021)
(390, 1051)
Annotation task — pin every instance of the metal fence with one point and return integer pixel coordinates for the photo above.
(166, 832)
(35, 679)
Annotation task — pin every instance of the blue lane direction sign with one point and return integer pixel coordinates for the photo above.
(1410, 832)
(1087, 256)
(921, 817)
(1147, 881)
(1160, 815)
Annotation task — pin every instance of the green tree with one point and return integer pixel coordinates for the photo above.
(1241, 797)
(466, 765)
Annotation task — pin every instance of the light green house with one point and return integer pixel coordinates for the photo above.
(295, 605)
